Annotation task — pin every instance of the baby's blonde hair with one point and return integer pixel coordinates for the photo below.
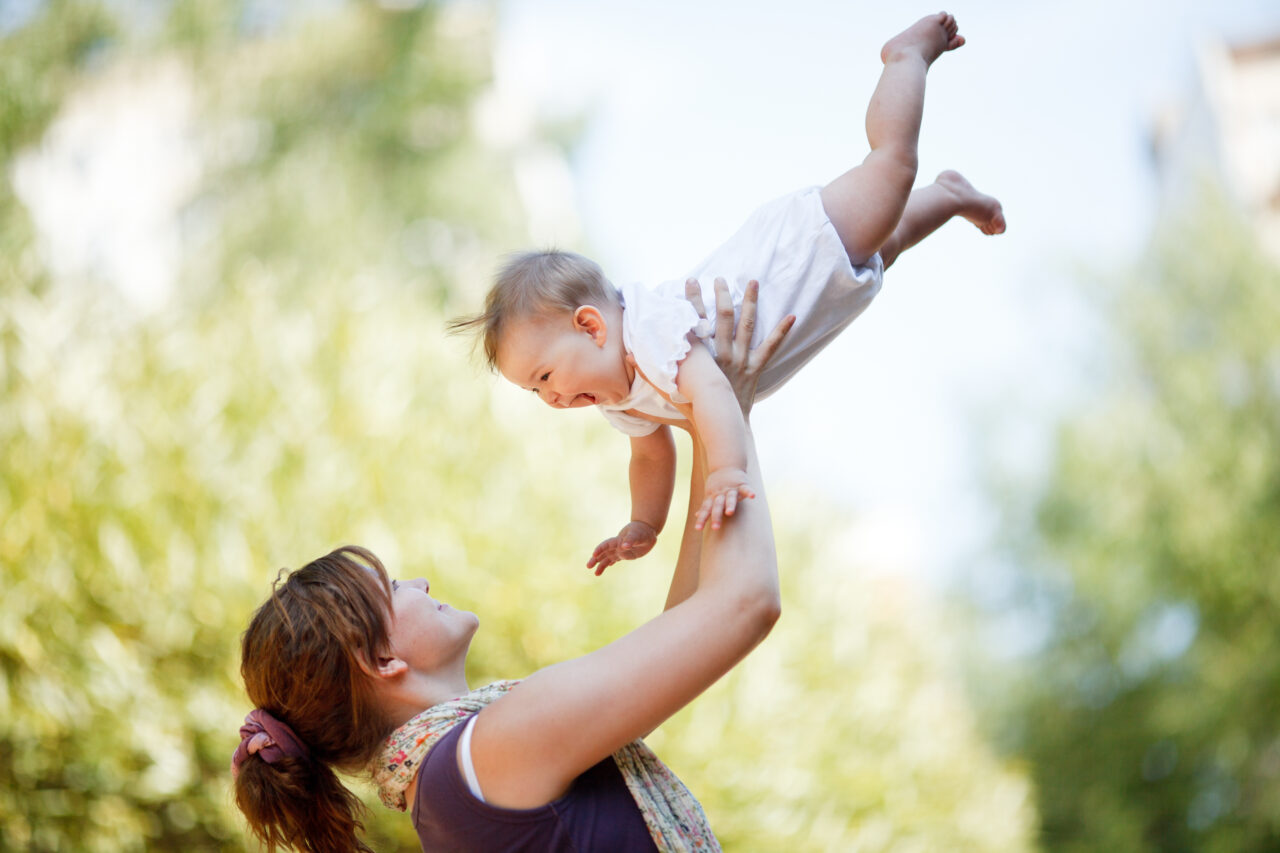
(531, 284)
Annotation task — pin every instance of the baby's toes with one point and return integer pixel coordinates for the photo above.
(996, 225)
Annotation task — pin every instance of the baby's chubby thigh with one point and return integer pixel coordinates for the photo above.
(791, 248)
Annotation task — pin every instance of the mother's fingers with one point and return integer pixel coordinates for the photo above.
(693, 293)
(724, 317)
(763, 353)
(746, 321)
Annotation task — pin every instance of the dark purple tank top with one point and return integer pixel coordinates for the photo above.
(596, 813)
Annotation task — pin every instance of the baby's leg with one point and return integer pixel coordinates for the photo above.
(929, 207)
(865, 203)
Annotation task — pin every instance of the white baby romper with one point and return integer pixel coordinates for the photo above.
(792, 249)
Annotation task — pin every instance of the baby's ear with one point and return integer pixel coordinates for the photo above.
(587, 318)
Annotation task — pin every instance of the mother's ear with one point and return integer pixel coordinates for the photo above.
(587, 318)
(387, 666)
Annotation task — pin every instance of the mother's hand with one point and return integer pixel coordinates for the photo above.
(741, 364)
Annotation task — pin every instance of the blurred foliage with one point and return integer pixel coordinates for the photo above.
(41, 62)
(294, 391)
(847, 729)
(1149, 717)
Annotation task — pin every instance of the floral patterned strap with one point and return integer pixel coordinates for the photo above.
(402, 752)
(673, 816)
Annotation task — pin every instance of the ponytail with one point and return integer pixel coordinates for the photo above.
(299, 803)
(304, 660)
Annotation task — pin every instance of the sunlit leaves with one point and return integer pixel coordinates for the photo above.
(1150, 715)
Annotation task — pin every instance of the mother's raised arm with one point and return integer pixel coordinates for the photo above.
(530, 745)
(742, 366)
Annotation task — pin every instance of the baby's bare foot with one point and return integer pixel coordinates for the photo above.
(982, 210)
(928, 38)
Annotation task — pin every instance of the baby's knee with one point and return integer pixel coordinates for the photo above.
(900, 161)
(894, 168)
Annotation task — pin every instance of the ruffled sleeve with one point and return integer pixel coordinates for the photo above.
(655, 330)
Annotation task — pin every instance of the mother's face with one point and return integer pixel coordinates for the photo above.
(425, 633)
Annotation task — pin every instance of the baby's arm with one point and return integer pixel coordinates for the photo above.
(719, 423)
(653, 477)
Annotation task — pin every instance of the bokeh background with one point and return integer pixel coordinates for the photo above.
(1028, 508)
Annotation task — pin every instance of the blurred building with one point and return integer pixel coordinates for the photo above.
(1228, 131)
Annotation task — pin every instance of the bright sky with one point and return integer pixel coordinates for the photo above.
(696, 113)
(699, 112)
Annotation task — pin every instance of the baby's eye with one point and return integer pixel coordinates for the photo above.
(544, 377)
(395, 585)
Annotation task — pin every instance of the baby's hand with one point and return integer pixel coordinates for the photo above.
(725, 487)
(632, 542)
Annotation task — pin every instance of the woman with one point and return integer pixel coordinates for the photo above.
(350, 669)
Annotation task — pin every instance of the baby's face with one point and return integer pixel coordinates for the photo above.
(569, 360)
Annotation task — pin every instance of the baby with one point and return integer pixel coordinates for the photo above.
(554, 325)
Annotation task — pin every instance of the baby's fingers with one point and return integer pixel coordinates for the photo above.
(717, 511)
(601, 550)
(704, 512)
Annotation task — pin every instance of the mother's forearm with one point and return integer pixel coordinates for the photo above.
(738, 566)
(685, 578)
(739, 559)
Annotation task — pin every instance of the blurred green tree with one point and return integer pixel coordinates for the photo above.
(163, 452)
(1149, 717)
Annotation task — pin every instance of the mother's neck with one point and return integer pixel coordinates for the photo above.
(408, 694)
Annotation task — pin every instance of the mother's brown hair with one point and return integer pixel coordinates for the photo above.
(305, 659)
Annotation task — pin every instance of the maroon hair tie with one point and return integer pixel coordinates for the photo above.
(269, 738)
